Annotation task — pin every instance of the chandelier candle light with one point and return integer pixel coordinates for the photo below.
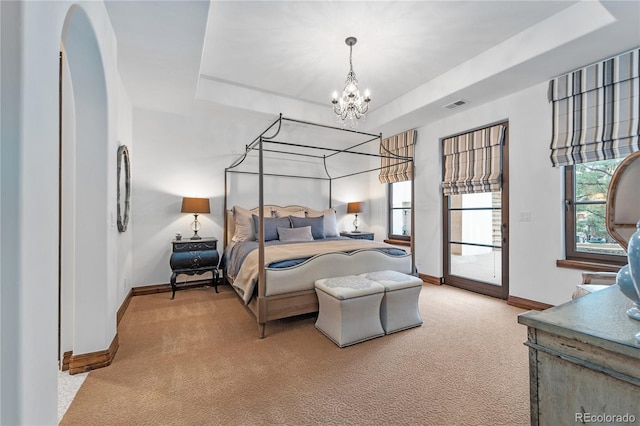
(351, 105)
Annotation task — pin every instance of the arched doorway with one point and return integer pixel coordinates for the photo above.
(84, 213)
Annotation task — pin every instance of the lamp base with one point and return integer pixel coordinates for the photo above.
(356, 222)
(195, 227)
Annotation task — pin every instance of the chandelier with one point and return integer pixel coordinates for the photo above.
(351, 105)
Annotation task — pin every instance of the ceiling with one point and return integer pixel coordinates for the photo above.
(260, 58)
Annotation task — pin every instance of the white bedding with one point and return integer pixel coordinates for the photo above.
(247, 276)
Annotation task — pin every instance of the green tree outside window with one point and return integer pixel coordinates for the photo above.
(591, 186)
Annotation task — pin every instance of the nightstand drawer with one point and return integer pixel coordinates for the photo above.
(358, 235)
(193, 259)
(194, 245)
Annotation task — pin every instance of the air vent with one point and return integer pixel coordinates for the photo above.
(456, 104)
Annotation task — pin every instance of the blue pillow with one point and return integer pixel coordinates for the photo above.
(271, 225)
(316, 224)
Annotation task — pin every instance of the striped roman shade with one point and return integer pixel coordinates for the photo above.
(596, 111)
(396, 157)
(473, 161)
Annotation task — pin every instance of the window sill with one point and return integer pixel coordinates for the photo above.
(587, 266)
(399, 242)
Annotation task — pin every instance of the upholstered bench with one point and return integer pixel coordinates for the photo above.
(399, 308)
(349, 309)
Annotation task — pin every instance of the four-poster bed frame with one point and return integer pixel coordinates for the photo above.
(268, 306)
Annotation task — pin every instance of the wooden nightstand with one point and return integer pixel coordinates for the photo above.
(358, 235)
(194, 257)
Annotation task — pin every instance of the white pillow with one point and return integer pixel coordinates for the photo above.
(287, 213)
(244, 228)
(295, 234)
(330, 222)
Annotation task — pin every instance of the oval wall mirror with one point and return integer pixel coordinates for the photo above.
(124, 187)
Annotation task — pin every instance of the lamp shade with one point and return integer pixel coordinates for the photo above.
(356, 207)
(195, 205)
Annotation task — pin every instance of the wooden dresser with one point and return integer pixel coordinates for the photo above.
(584, 361)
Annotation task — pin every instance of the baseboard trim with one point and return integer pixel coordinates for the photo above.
(430, 279)
(166, 288)
(66, 359)
(519, 302)
(87, 362)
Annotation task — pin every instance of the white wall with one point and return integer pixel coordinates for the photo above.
(37, 161)
(30, 207)
(122, 255)
(176, 156)
(10, 134)
(535, 187)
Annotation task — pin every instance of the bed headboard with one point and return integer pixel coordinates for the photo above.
(269, 211)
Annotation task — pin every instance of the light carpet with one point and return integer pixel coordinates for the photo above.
(197, 360)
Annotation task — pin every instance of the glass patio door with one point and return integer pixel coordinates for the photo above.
(475, 212)
(475, 240)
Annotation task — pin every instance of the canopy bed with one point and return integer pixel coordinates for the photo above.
(273, 268)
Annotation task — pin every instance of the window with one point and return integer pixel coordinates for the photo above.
(396, 170)
(400, 210)
(586, 236)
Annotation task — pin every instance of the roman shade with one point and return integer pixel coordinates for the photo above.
(596, 111)
(473, 161)
(396, 157)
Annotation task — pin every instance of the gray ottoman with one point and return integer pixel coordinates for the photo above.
(349, 309)
(399, 308)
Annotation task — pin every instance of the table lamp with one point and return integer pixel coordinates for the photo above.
(356, 208)
(195, 206)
